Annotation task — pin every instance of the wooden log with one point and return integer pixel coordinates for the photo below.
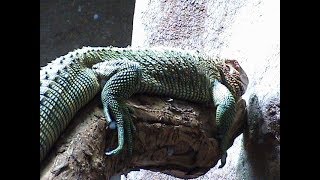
(172, 136)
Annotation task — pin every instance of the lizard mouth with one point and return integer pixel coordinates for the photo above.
(238, 75)
(244, 81)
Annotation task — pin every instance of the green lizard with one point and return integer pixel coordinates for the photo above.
(122, 72)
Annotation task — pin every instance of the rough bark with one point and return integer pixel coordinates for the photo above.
(172, 136)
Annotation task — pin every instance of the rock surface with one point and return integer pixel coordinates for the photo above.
(248, 31)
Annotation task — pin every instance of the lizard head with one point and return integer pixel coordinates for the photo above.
(235, 77)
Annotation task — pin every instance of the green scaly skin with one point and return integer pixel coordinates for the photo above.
(175, 73)
(126, 71)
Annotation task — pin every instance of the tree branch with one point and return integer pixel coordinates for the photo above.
(172, 136)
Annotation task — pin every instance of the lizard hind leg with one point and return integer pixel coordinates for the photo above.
(125, 129)
(123, 83)
(117, 114)
(130, 129)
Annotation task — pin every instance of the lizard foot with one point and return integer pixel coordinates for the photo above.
(223, 160)
(113, 152)
(125, 133)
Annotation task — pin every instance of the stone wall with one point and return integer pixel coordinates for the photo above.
(248, 31)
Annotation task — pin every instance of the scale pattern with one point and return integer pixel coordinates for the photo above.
(121, 72)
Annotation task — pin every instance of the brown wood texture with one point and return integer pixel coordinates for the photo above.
(172, 136)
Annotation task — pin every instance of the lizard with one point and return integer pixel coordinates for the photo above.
(71, 81)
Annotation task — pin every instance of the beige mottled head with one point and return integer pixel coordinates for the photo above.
(235, 77)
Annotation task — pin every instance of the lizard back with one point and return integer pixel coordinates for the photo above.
(175, 73)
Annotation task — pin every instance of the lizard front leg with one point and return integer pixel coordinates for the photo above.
(225, 114)
(123, 82)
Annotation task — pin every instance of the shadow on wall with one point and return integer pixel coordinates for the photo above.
(262, 148)
(68, 25)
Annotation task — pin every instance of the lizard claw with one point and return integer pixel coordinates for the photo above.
(223, 160)
(113, 152)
